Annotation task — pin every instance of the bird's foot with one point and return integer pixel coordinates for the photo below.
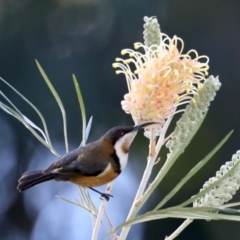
(106, 196)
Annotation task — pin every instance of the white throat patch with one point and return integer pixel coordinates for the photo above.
(125, 141)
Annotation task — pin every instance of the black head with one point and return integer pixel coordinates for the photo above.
(116, 133)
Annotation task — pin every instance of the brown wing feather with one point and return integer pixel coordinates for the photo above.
(84, 161)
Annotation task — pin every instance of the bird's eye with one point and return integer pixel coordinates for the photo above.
(121, 132)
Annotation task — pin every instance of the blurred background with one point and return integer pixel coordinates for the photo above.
(84, 37)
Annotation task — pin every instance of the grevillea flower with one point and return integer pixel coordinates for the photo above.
(160, 78)
(225, 190)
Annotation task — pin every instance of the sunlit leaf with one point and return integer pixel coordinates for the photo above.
(59, 101)
(33, 106)
(82, 108)
(205, 213)
(87, 130)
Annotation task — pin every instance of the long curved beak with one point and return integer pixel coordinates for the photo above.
(137, 127)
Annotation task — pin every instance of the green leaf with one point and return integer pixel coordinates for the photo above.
(86, 203)
(82, 205)
(231, 205)
(87, 130)
(59, 102)
(29, 125)
(205, 213)
(34, 108)
(193, 172)
(82, 109)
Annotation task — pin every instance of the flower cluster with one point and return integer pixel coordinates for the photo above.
(223, 192)
(160, 79)
(193, 113)
(151, 33)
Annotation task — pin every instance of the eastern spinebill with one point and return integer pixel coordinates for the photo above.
(92, 165)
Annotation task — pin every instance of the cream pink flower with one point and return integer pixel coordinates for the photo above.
(160, 79)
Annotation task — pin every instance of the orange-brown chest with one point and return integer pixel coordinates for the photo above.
(93, 181)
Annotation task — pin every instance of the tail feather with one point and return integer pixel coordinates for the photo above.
(30, 179)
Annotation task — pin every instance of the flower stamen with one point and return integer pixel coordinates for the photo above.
(163, 79)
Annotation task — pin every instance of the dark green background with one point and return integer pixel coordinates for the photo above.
(84, 37)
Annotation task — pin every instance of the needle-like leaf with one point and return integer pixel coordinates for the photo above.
(193, 172)
(59, 101)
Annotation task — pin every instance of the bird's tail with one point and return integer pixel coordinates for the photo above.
(30, 179)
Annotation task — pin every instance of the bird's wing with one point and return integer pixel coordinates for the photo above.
(79, 161)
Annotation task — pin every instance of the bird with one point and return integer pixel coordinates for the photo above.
(92, 165)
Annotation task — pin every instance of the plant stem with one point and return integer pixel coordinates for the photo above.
(100, 213)
(179, 229)
(142, 186)
(147, 173)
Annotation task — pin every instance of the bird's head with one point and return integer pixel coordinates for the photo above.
(121, 138)
(125, 134)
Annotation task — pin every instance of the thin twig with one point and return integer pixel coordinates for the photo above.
(152, 145)
(157, 161)
(93, 218)
(101, 212)
(179, 229)
(167, 138)
(115, 237)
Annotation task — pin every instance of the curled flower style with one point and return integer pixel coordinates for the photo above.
(162, 78)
